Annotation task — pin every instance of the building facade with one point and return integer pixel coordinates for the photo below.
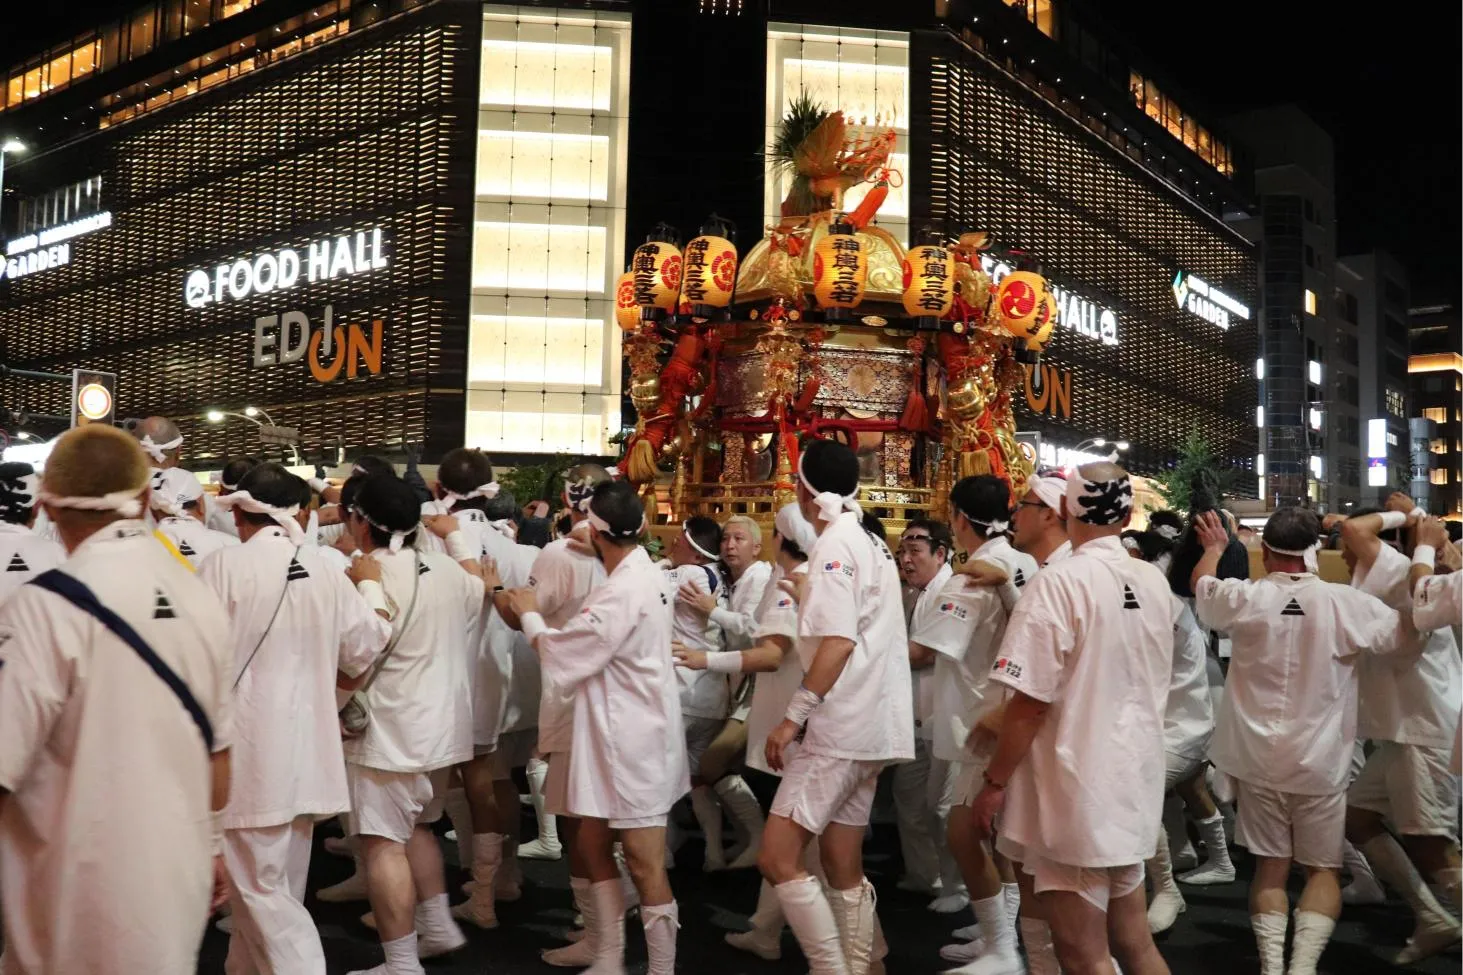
(483, 170)
(1435, 396)
(1379, 285)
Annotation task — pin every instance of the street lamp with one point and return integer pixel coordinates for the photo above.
(9, 145)
(250, 413)
(1118, 447)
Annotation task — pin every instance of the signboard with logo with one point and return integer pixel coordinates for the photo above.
(48, 248)
(322, 260)
(93, 397)
(1203, 300)
(328, 349)
(1049, 390)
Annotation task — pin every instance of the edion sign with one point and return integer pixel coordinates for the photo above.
(322, 260)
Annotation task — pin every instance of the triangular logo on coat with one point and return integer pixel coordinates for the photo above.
(17, 564)
(185, 549)
(162, 609)
(422, 569)
(296, 571)
(1130, 601)
(1292, 608)
(1020, 577)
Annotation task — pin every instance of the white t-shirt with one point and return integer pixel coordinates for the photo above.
(1093, 636)
(704, 693)
(1188, 719)
(777, 615)
(738, 618)
(421, 704)
(105, 845)
(23, 556)
(562, 580)
(1288, 718)
(964, 626)
(195, 541)
(288, 760)
(1410, 700)
(614, 659)
(922, 679)
(853, 592)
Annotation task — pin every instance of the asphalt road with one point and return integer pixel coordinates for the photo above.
(1212, 938)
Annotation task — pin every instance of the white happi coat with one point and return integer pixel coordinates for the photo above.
(194, 540)
(1092, 635)
(562, 580)
(505, 669)
(1288, 718)
(421, 705)
(963, 625)
(1414, 701)
(614, 657)
(704, 693)
(1188, 719)
(288, 759)
(23, 556)
(922, 679)
(1438, 601)
(853, 592)
(777, 615)
(738, 618)
(105, 845)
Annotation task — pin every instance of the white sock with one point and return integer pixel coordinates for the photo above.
(401, 956)
(609, 922)
(1393, 866)
(708, 815)
(1217, 849)
(661, 922)
(584, 904)
(1312, 931)
(460, 813)
(1041, 957)
(548, 828)
(767, 920)
(1270, 939)
(811, 919)
(995, 927)
(434, 915)
(742, 804)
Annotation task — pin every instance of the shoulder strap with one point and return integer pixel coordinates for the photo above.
(416, 584)
(75, 592)
(272, 617)
(712, 579)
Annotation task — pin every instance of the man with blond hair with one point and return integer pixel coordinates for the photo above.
(114, 733)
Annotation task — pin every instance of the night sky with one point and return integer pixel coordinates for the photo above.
(1386, 87)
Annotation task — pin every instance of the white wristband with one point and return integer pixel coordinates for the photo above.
(1392, 519)
(533, 624)
(375, 596)
(217, 826)
(459, 548)
(804, 702)
(1425, 555)
(724, 662)
(319, 484)
(1417, 513)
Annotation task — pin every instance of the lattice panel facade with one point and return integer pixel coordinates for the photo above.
(375, 130)
(989, 154)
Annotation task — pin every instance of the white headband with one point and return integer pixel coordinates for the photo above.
(603, 527)
(285, 517)
(830, 503)
(578, 493)
(692, 542)
(1309, 554)
(1049, 489)
(790, 523)
(1098, 503)
(506, 527)
(1167, 531)
(28, 486)
(159, 451)
(126, 503)
(996, 526)
(1131, 544)
(397, 537)
(488, 490)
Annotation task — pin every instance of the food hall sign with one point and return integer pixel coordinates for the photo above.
(321, 260)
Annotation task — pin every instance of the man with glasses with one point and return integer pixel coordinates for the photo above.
(922, 794)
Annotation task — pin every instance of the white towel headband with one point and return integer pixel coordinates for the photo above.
(159, 451)
(285, 517)
(830, 503)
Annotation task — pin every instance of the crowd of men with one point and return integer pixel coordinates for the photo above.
(191, 680)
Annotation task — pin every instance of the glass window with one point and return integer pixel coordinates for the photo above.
(111, 46)
(1191, 135)
(33, 82)
(84, 58)
(58, 72)
(1135, 87)
(16, 89)
(196, 14)
(1440, 475)
(172, 27)
(227, 8)
(1043, 16)
(1152, 101)
(140, 32)
(1173, 118)
(1437, 414)
(1206, 148)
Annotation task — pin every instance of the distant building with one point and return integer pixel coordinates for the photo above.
(1435, 390)
(1379, 284)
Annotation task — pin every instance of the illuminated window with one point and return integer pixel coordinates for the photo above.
(1260, 464)
(1313, 372)
(1437, 414)
(1315, 418)
(1259, 416)
(1259, 368)
(58, 72)
(1376, 475)
(1039, 12)
(1439, 475)
(33, 83)
(1397, 403)
(1438, 446)
(1310, 302)
(1317, 467)
(543, 349)
(84, 58)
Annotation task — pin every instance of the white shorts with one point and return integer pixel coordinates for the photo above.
(556, 784)
(700, 733)
(819, 789)
(642, 822)
(1307, 829)
(1411, 786)
(1180, 768)
(514, 750)
(392, 804)
(1098, 886)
